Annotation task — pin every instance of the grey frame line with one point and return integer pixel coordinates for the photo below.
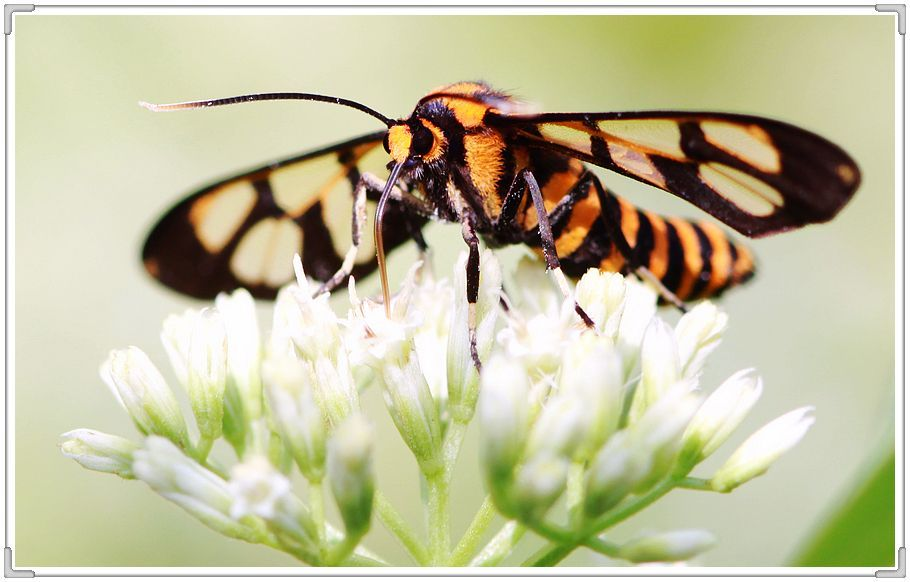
(900, 10)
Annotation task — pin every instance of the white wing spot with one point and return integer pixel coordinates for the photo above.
(744, 191)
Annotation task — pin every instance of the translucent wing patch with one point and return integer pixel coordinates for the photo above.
(245, 230)
(757, 175)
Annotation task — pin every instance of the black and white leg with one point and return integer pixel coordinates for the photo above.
(367, 184)
(526, 179)
(613, 221)
(472, 276)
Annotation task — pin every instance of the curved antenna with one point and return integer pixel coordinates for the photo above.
(267, 97)
(377, 236)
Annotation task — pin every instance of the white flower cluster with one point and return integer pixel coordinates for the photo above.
(608, 418)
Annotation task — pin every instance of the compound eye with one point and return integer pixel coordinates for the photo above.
(385, 143)
(422, 142)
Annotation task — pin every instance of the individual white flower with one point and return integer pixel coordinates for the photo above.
(602, 294)
(141, 390)
(655, 438)
(99, 451)
(207, 373)
(243, 393)
(257, 488)
(375, 334)
(615, 470)
(433, 300)
(314, 328)
(560, 428)
(538, 341)
(718, 417)
(592, 375)
(660, 367)
(639, 308)
(297, 417)
(351, 473)
(176, 477)
(765, 446)
(671, 546)
(698, 333)
(538, 484)
(413, 410)
(504, 416)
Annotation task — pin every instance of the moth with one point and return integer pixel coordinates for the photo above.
(472, 155)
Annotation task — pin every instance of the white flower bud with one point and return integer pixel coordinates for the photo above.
(538, 484)
(504, 414)
(297, 417)
(659, 367)
(176, 477)
(207, 373)
(333, 387)
(718, 417)
(413, 411)
(257, 488)
(612, 475)
(99, 451)
(602, 294)
(672, 546)
(141, 390)
(698, 333)
(243, 393)
(639, 307)
(765, 446)
(560, 428)
(351, 473)
(655, 438)
(434, 302)
(591, 374)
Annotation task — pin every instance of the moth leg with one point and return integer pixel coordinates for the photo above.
(548, 244)
(366, 184)
(613, 222)
(472, 271)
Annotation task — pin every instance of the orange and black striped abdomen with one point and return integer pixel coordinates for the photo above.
(693, 259)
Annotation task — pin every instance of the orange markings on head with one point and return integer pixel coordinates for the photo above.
(439, 141)
(399, 142)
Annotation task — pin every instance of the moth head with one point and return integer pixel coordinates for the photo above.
(416, 140)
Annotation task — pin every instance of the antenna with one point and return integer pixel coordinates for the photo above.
(267, 97)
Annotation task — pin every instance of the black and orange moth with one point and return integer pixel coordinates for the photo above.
(472, 155)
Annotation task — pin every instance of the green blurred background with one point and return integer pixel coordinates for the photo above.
(94, 170)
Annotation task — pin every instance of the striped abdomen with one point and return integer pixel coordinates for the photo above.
(693, 259)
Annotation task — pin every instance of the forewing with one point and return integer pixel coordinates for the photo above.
(245, 230)
(757, 175)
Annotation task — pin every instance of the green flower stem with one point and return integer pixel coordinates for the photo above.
(451, 445)
(468, 543)
(696, 483)
(601, 546)
(203, 448)
(575, 492)
(317, 508)
(359, 560)
(393, 522)
(438, 510)
(342, 550)
(553, 554)
(501, 545)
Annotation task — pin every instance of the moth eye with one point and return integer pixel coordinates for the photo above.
(385, 143)
(422, 142)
